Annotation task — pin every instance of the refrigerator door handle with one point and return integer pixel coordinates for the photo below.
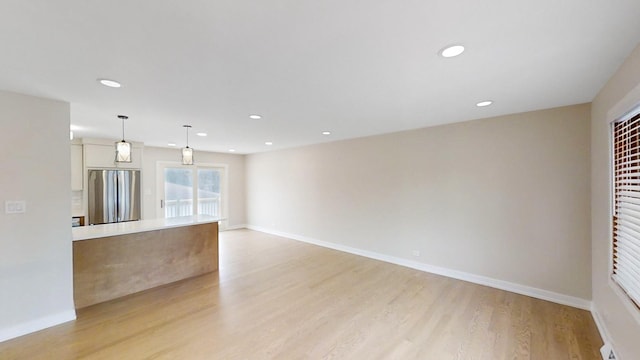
(161, 204)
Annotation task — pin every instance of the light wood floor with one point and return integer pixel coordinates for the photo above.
(275, 298)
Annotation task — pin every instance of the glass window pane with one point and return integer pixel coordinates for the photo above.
(209, 192)
(178, 192)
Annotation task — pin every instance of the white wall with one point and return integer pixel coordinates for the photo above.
(505, 198)
(620, 320)
(235, 180)
(36, 288)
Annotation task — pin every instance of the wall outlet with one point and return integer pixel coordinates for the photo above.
(15, 206)
(416, 253)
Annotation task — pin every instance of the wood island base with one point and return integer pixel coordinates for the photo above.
(110, 267)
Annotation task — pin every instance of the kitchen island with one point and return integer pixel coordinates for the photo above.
(115, 260)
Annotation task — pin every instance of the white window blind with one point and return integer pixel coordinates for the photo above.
(626, 212)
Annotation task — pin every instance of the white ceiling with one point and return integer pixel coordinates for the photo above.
(356, 68)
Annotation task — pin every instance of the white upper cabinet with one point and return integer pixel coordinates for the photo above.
(103, 155)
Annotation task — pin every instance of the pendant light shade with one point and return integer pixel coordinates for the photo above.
(187, 152)
(123, 148)
(187, 156)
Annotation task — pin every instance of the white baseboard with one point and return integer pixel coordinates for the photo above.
(604, 332)
(36, 325)
(236, 227)
(455, 274)
(597, 318)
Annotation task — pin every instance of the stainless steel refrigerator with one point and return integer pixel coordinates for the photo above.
(114, 196)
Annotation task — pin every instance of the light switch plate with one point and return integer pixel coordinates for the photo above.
(15, 206)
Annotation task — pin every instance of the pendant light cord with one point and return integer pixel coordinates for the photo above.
(187, 127)
(123, 118)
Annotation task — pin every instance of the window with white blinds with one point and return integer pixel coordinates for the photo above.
(626, 211)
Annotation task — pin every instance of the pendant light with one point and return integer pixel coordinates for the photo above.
(187, 152)
(123, 148)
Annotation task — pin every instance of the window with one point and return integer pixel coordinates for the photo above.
(626, 205)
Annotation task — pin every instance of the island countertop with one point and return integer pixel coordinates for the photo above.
(131, 227)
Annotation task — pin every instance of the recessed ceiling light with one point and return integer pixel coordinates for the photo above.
(326, 133)
(110, 83)
(452, 51)
(268, 143)
(255, 117)
(232, 150)
(171, 144)
(484, 103)
(201, 134)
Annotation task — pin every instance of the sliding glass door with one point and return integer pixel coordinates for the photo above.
(190, 190)
(178, 192)
(209, 192)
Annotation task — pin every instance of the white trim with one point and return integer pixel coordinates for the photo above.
(455, 274)
(627, 107)
(36, 325)
(602, 328)
(604, 332)
(235, 227)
